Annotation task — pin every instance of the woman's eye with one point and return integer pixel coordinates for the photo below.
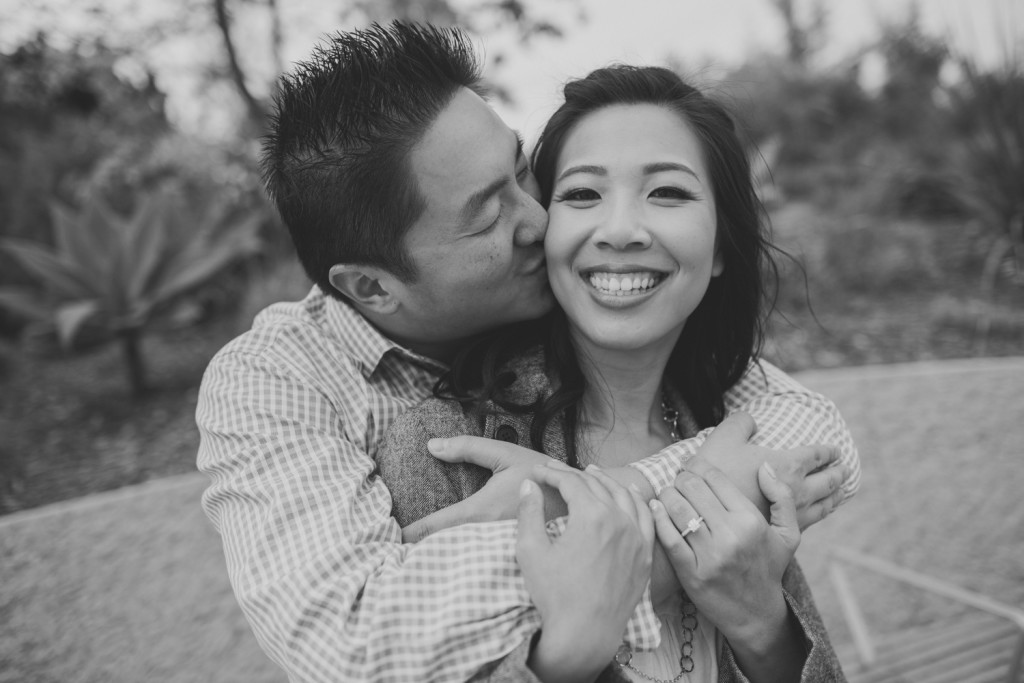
(672, 193)
(579, 195)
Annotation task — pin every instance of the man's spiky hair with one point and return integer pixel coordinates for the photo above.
(335, 161)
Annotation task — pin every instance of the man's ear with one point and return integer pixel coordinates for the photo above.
(366, 286)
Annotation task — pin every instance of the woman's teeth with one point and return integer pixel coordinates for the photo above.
(622, 284)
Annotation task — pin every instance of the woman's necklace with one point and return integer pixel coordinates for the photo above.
(625, 654)
(671, 417)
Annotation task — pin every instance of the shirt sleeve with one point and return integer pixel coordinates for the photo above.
(787, 415)
(314, 557)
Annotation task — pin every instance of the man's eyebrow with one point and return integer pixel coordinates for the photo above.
(476, 201)
(572, 170)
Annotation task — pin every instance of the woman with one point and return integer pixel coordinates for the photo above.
(655, 253)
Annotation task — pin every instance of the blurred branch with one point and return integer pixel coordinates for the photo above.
(253, 106)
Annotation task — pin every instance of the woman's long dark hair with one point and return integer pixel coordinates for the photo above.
(726, 329)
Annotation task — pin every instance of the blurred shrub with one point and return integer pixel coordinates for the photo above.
(808, 110)
(989, 115)
(869, 254)
(115, 276)
(60, 112)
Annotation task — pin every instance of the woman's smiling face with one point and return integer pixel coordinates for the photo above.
(631, 234)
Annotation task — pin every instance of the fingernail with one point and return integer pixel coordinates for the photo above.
(557, 465)
(654, 504)
(436, 445)
(770, 471)
(634, 488)
(525, 488)
(592, 468)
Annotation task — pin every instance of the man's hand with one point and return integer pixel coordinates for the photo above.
(813, 473)
(499, 498)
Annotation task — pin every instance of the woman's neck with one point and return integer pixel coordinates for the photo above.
(621, 408)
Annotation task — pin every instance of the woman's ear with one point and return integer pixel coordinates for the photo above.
(365, 286)
(718, 264)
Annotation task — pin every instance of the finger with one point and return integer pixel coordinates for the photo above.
(783, 511)
(737, 428)
(728, 494)
(531, 535)
(620, 495)
(678, 550)
(814, 513)
(444, 518)
(687, 520)
(490, 453)
(817, 457)
(569, 483)
(700, 497)
(643, 517)
(823, 484)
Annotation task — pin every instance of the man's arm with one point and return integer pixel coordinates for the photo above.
(790, 420)
(787, 416)
(314, 557)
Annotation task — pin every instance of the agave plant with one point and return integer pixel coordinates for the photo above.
(115, 274)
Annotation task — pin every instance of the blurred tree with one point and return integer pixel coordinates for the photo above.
(913, 62)
(481, 18)
(804, 37)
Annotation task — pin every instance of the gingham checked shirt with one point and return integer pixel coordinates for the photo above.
(290, 414)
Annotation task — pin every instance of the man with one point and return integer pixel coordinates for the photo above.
(412, 208)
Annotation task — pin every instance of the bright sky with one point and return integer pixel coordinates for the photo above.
(716, 34)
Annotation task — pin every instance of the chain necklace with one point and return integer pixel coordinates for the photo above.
(625, 654)
(671, 417)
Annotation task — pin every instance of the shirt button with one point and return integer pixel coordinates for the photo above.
(507, 433)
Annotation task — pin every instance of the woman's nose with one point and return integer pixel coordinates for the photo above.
(622, 227)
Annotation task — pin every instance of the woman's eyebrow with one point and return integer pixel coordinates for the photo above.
(572, 170)
(658, 167)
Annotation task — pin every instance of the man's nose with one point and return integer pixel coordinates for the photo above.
(533, 225)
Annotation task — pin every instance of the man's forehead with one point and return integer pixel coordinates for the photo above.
(467, 153)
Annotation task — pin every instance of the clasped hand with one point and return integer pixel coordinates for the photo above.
(727, 557)
(587, 581)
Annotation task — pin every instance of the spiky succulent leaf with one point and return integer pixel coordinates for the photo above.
(65, 278)
(70, 318)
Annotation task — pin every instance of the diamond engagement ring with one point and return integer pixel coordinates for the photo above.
(691, 526)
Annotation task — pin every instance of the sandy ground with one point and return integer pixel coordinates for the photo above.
(130, 586)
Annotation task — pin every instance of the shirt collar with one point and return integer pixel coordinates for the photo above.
(362, 341)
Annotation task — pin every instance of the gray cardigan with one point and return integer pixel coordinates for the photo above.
(421, 484)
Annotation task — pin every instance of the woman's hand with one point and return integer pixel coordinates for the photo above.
(586, 582)
(731, 564)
